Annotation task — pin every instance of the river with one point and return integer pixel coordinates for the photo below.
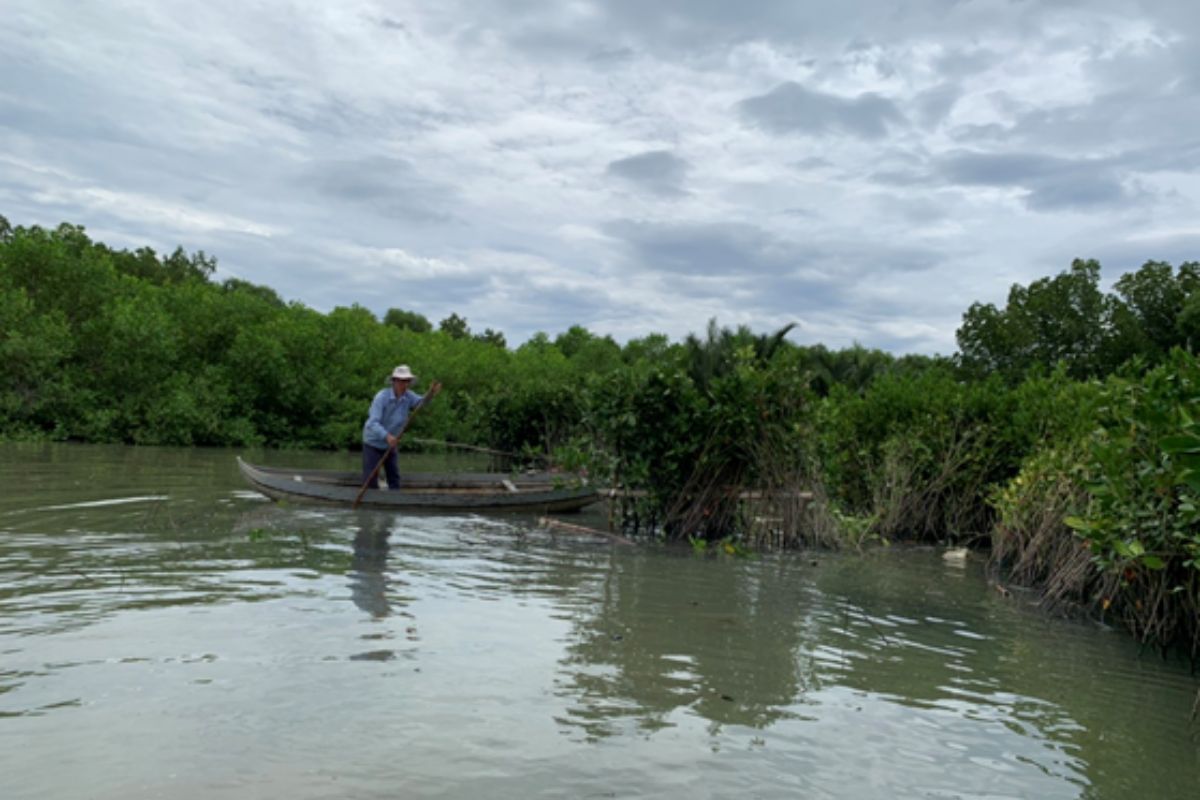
(166, 632)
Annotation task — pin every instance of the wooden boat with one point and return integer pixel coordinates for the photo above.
(468, 491)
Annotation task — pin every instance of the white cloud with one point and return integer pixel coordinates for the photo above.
(150, 210)
(54, 187)
(394, 264)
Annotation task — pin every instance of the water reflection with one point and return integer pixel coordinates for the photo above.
(703, 640)
(776, 648)
(755, 645)
(368, 566)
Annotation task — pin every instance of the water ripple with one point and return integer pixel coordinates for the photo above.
(235, 639)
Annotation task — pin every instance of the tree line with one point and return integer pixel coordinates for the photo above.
(1064, 433)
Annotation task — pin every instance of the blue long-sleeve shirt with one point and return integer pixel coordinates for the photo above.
(387, 415)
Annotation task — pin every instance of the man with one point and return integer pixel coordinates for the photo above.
(389, 411)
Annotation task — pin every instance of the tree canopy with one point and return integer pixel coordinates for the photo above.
(407, 320)
(1067, 319)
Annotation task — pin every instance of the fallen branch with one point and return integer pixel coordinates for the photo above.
(745, 494)
(556, 524)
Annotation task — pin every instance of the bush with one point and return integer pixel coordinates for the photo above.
(1031, 541)
(1142, 518)
(915, 451)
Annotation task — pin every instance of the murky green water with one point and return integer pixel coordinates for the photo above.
(166, 633)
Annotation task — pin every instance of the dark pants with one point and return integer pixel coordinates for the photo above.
(371, 456)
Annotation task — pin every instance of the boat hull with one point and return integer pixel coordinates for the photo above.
(431, 492)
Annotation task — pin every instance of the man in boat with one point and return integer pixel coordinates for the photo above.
(389, 411)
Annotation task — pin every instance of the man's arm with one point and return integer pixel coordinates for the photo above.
(434, 388)
(375, 417)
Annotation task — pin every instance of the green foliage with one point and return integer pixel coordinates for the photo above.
(267, 295)
(689, 433)
(652, 348)
(1143, 470)
(455, 327)
(1155, 298)
(854, 368)
(107, 345)
(857, 531)
(914, 451)
(531, 420)
(1067, 320)
(588, 352)
(1109, 515)
(1061, 319)
(643, 426)
(1142, 520)
(716, 355)
(919, 451)
(407, 320)
(34, 350)
(1031, 540)
(725, 546)
(179, 267)
(1045, 408)
(494, 338)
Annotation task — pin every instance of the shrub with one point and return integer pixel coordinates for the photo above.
(1142, 519)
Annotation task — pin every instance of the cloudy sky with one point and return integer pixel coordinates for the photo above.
(631, 166)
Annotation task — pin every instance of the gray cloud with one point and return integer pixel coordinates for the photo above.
(554, 310)
(658, 171)
(812, 162)
(791, 108)
(933, 105)
(980, 134)
(1119, 256)
(749, 251)
(611, 55)
(1051, 182)
(390, 187)
(961, 63)
(36, 100)
(391, 24)
(462, 157)
(703, 249)
(669, 27)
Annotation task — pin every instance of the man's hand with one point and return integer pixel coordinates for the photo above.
(391, 440)
(430, 393)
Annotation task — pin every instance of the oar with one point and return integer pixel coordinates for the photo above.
(434, 388)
